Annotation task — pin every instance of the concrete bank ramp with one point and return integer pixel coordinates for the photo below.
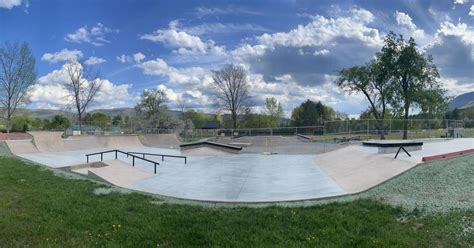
(356, 169)
(47, 141)
(21, 146)
(160, 140)
(119, 173)
(53, 142)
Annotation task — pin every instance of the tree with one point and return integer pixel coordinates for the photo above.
(59, 122)
(373, 81)
(117, 120)
(82, 86)
(415, 79)
(274, 110)
(231, 90)
(17, 75)
(310, 113)
(152, 109)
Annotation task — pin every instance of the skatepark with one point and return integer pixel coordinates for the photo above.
(262, 169)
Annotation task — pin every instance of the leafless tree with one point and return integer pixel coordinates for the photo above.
(17, 75)
(231, 90)
(82, 86)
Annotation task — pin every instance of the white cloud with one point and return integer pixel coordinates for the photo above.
(460, 30)
(94, 60)
(124, 58)
(95, 35)
(322, 30)
(222, 28)
(50, 92)
(137, 57)
(9, 4)
(158, 67)
(229, 10)
(404, 20)
(321, 52)
(471, 10)
(460, 1)
(61, 56)
(184, 43)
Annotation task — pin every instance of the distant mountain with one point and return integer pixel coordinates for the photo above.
(115, 111)
(462, 101)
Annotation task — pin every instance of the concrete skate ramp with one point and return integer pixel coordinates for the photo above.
(118, 173)
(48, 141)
(21, 146)
(357, 169)
(160, 140)
(53, 142)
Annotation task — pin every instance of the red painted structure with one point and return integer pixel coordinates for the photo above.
(447, 155)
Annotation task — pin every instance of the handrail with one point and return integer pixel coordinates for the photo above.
(159, 155)
(116, 155)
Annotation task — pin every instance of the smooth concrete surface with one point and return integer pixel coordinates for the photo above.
(231, 178)
(251, 177)
(119, 173)
(357, 168)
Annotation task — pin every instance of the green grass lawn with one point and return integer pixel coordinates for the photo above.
(42, 209)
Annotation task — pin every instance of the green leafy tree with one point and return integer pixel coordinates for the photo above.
(152, 110)
(311, 113)
(415, 78)
(59, 122)
(117, 120)
(274, 110)
(373, 81)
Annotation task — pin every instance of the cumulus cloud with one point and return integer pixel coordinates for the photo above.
(323, 30)
(159, 67)
(50, 92)
(137, 57)
(405, 21)
(61, 56)
(9, 4)
(124, 58)
(95, 35)
(184, 43)
(94, 60)
(309, 52)
(471, 10)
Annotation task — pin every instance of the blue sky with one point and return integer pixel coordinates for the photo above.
(291, 49)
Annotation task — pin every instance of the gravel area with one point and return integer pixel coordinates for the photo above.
(438, 186)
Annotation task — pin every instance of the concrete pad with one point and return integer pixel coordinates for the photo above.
(356, 168)
(119, 173)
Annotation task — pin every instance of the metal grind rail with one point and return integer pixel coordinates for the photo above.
(158, 155)
(125, 153)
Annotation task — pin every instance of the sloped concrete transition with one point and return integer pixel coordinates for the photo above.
(255, 175)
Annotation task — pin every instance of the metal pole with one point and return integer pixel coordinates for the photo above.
(133, 160)
(115, 154)
(101, 157)
(155, 168)
(87, 158)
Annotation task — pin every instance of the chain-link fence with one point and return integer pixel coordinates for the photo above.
(361, 129)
